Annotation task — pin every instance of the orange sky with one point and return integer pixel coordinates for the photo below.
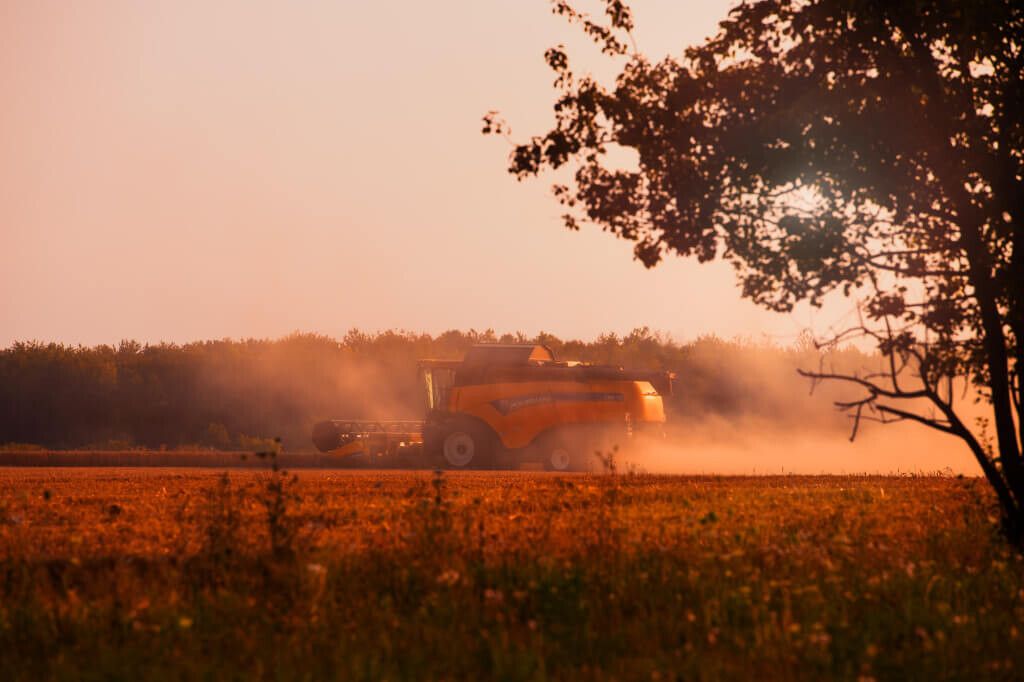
(180, 170)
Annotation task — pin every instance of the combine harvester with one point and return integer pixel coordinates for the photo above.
(504, 405)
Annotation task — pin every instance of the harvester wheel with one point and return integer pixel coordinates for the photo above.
(558, 458)
(467, 445)
(326, 436)
(566, 451)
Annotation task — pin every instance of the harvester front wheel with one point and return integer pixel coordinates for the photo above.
(326, 436)
(467, 445)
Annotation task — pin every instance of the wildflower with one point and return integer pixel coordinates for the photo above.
(448, 577)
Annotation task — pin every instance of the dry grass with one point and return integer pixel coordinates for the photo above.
(178, 574)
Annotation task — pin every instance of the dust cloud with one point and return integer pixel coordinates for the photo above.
(752, 447)
(283, 389)
(743, 408)
(737, 408)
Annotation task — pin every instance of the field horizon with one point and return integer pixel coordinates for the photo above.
(29, 457)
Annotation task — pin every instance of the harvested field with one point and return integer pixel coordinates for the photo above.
(180, 574)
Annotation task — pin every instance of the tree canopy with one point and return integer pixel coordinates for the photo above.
(869, 147)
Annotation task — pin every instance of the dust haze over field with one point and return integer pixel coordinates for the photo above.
(738, 409)
(743, 409)
(717, 446)
(738, 406)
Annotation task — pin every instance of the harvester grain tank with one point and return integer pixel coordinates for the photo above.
(503, 404)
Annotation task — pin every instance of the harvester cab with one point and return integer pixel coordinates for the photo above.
(504, 404)
(436, 380)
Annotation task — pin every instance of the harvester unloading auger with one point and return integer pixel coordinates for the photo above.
(506, 404)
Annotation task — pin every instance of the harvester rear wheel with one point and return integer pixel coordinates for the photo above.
(566, 451)
(467, 445)
(558, 458)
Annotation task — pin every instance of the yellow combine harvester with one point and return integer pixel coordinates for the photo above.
(506, 404)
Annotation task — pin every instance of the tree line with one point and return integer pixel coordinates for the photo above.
(232, 394)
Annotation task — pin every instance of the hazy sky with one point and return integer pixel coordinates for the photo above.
(184, 170)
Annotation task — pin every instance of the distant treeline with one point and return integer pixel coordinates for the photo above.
(235, 394)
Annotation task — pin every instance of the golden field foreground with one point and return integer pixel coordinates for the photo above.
(182, 574)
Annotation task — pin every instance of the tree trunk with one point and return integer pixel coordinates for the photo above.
(997, 361)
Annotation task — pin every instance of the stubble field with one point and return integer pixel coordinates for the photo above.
(185, 574)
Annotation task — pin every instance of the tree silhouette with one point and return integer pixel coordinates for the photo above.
(868, 146)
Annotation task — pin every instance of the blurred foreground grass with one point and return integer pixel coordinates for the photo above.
(178, 574)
